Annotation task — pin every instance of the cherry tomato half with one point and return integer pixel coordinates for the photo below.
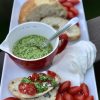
(67, 4)
(85, 89)
(67, 96)
(27, 88)
(90, 98)
(79, 97)
(74, 11)
(70, 15)
(51, 73)
(62, 1)
(11, 98)
(64, 86)
(75, 2)
(75, 90)
(59, 96)
(35, 76)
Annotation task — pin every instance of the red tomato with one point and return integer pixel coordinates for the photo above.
(67, 96)
(79, 97)
(85, 89)
(51, 73)
(90, 98)
(27, 88)
(62, 1)
(35, 76)
(64, 86)
(66, 8)
(70, 15)
(11, 98)
(74, 1)
(59, 96)
(74, 90)
(67, 5)
(74, 11)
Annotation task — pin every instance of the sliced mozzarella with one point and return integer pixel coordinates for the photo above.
(85, 52)
(93, 53)
(74, 61)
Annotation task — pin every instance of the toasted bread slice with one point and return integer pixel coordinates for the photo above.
(35, 10)
(13, 88)
(57, 22)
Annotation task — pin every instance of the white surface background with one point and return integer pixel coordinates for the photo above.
(11, 70)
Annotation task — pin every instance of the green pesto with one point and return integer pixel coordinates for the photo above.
(53, 83)
(40, 87)
(43, 77)
(29, 47)
(47, 78)
(26, 80)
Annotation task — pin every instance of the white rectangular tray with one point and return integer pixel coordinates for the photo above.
(11, 70)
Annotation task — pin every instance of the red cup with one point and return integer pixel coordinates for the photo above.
(31, 28)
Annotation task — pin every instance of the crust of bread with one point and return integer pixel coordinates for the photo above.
(32, 5)
(13, 88)
(27, 6)
(57, 22)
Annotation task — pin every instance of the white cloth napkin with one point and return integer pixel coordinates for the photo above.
(74, 61)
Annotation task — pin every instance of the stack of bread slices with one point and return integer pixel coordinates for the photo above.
(50, 12)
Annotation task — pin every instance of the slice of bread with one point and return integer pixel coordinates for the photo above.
(35, 10)
(58, 22)
(13, 88)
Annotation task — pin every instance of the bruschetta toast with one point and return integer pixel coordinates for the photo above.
(34, 86)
